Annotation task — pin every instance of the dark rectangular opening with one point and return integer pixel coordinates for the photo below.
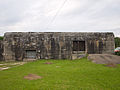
(78, 45)
(31, 54)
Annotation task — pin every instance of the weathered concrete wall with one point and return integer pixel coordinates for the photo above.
(55, 45)
(1, 50)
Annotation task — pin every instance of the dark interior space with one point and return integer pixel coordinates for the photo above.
(31, 54)
(78, 45)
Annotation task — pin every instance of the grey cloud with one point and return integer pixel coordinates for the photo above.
(75, 16)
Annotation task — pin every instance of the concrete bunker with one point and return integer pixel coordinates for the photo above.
(55, 45)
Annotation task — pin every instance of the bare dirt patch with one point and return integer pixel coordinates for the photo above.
(32, 77)
(18, 63)
(111, 65)
(8, 65)
(1, 64)
(57, 66)
(48, 63)
(4, 68)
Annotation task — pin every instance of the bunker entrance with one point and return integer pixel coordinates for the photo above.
(31, 54)
(78, 45)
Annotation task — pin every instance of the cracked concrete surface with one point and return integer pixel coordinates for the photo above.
(104, 58)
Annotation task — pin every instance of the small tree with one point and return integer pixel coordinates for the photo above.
(117, 42)
(1, 38)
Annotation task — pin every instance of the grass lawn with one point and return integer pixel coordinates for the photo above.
(61, 75)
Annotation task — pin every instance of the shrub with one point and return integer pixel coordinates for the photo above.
(117, 53)
(117, 42)
(1, 38)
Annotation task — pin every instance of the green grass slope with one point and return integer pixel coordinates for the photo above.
(61, 75)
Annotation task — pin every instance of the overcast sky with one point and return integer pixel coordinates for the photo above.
(74, 16)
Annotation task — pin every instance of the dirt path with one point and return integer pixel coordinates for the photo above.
(4, 66)
(104, 58)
